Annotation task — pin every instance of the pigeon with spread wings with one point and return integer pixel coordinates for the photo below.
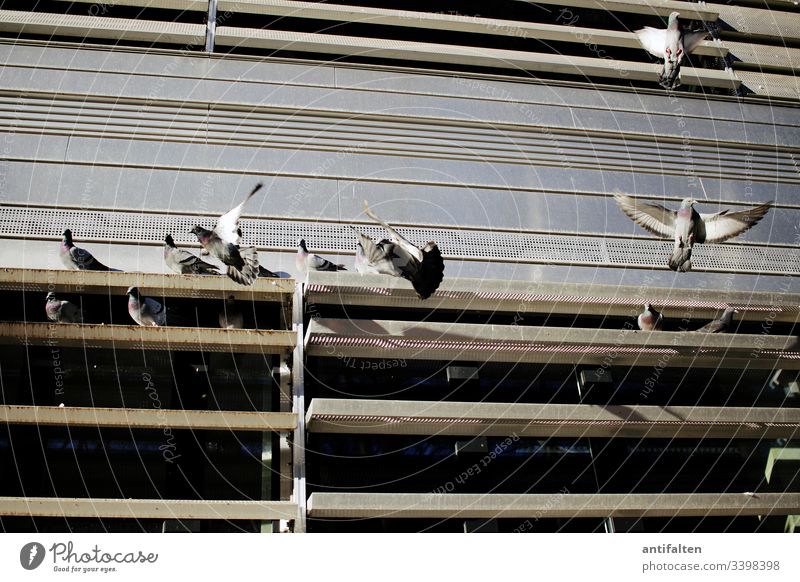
(397, 257)
(223, 243)
(671, 44)
(686, 226)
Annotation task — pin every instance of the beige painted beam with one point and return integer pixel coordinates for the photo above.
(146, 508)
(80, 26)
(549, 420)
(250, 341)
(341, 338)
(431, 505)
(117, 282)
(148, 418)
(462, 55)
(522, 297)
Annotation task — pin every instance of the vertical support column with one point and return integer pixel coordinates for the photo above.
(211, 25)
(299, 408)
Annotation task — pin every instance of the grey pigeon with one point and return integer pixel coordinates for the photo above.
(687, 227)
(397, 257)
(721, 325)
(183, 262)
(262, 272)
(305, 261)
(672, 45)
(650, 319)
(77, 258)
(61, 310)
(231, 316)
(144, 310)
(223, 243)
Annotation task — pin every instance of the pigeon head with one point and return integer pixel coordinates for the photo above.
(688, 202)
(200, 232)
(168, 239)
(68, 237)
(647, 307)
(133, 292)
(673, 20)
(302, 245)
(51, 296)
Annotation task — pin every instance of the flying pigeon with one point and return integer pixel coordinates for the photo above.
(144, 310)
(721, 325)
(184, 262)
(77, 258)
(687, 227)
(61, 310)
(672, 45)
(231, 316)
(650, 319)
(305, 261)
(399, 258)
(223, 244)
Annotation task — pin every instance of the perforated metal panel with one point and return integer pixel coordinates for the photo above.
(279, 234)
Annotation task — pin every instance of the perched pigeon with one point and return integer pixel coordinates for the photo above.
(223, 243)
(650, 319)
(231, 316)
(144, 310)
(399, 258)
(687, 227)
(305, 261)
(184, 262)
(77, 258)
(672, 45)
(262, 272)
(721, 325)
(61, 310)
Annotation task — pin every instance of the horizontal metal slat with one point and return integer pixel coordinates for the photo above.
(431, 505)
(463, 55)
(135, 418)
(468, 244)
(762, 55)
(498, 296)
(341, 338)
(548, 420)
(771, 84)
(117, 283)
(146, 508)
(753, 23)
(83, 27)
(660, 7)
(415, 19)
(250, 341)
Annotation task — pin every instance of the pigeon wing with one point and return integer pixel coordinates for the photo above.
(377, 256)
(397, 238)
(653, 217)
(228, 224)
(724, 225)
(691, 40)
(653, 40)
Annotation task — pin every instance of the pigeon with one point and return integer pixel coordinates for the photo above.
(77, 258)
(399, 258)
(223, 243)
(262, 272)
(672, 45)
(62, 311)
(305, 261)
(231, 316)
(184, 262)
(144, 310)
(650, 319)
(721, 325)
(687, 227)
